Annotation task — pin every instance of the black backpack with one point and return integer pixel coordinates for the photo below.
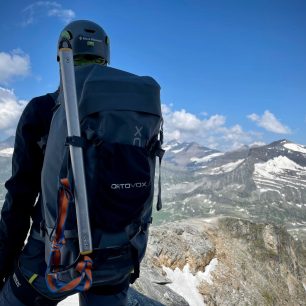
(121, 126)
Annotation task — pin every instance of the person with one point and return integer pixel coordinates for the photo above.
(22, 267)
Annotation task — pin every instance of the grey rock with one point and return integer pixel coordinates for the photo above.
(258, 263)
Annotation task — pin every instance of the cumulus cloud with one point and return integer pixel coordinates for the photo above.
(49, 8)
(10, 111)
(185, 121)
(269, 122)
(214, 122)
(211, 131)
(15, 63)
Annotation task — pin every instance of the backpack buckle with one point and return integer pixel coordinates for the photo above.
(75, 141)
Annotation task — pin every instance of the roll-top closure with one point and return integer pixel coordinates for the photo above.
(104, 89)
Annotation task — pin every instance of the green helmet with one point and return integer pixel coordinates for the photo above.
(87, 39)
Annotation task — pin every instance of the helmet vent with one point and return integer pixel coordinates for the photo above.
(90, 31)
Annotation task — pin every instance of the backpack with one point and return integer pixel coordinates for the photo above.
(121, 135)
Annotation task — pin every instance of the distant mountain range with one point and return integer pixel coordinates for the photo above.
(263, 183)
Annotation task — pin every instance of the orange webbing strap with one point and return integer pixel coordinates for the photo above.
(64, 198)
(81, 283)
(84, 265)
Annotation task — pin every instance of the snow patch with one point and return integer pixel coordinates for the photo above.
(186, 284)
(177, 151)
(167, 148)
(72, 300)
(263, 190)
(277, 165)
(227, 167)
(170, 146)
(205, 158)
(295, 147)
(6, 152)
(278, 173)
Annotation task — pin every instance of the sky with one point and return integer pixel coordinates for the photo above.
(232, 72)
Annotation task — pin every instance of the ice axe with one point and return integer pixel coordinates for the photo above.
(76, 152)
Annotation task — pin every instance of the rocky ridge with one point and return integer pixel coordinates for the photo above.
(253, 264)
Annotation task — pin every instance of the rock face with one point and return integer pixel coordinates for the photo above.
(256, 264)
(168, 242)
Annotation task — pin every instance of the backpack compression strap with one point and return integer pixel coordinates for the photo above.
(84, 263)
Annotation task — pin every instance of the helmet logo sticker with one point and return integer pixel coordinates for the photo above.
(90, 39)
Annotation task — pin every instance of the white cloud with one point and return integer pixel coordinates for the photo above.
(15, 63)
(185, 121)
(214, 122)
(211, 131)
(65, 15)
(167, 109)
(49, 8)
(10, 111)
(269, 122)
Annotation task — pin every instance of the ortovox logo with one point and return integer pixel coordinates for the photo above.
(129, 185)
(16, 281)
(137, 136)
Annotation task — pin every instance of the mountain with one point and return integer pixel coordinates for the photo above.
(188, 155)
(265, 183)
(7, 143)
(6, 151)
(6, 146)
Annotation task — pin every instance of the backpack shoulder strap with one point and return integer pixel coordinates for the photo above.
(54, 95)
(43, 140)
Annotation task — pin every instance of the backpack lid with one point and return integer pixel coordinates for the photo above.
(101, 88)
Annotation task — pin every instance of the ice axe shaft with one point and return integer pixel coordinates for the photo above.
(76, 153)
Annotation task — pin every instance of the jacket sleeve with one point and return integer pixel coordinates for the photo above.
(23, 187)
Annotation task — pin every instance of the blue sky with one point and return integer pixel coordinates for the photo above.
(232, 72)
